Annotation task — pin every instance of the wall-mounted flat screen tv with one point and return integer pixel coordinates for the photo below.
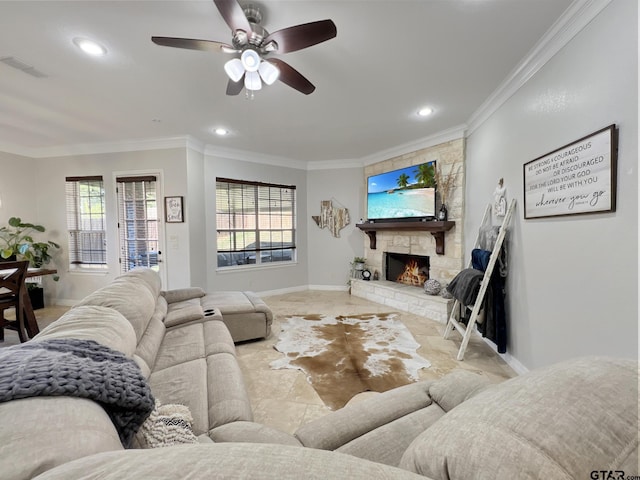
(407, 193)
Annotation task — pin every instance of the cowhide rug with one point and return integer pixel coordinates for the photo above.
(346, 355)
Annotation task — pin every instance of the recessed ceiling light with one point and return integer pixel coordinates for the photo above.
(425, 111)
(221, 131)
(90, 47)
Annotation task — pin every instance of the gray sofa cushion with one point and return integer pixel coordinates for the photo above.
(559, 422)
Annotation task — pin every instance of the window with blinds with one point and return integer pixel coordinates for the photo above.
(86, 222)
(255, 222)
(138, 222)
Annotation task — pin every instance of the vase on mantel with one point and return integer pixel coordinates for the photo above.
(443, 214)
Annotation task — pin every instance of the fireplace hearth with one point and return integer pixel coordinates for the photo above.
(407, 269)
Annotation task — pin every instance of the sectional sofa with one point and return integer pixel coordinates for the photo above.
(174, 350)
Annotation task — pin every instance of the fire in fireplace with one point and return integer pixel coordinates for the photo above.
(407, 269)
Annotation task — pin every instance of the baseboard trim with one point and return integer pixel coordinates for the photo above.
(282, 291)
(303, 288)
(65, 302)
(509, 359)
(330, 288)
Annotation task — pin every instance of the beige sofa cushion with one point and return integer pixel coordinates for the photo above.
(226, 461)
(150, 278)
(559, 422)
(102, 324)
(128, 295)
(457, 387)
(182, 294)
(342, 426)
(182, 312)
(40, 433)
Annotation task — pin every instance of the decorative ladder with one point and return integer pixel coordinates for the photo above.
(475, 310)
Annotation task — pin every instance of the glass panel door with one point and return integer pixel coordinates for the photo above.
(138, 223)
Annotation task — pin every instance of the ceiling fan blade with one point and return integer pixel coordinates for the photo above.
(234, 88)
(290, 76)
(191, 44)
(233, 14)
(302, 36)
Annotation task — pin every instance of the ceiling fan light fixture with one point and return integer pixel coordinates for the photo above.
(269, 72)
(234, 69)
(250, 60)
(252, 81)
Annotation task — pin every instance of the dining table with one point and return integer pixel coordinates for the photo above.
(33, 275)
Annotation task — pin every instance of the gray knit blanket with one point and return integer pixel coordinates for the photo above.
(78, 368)
(466, 285)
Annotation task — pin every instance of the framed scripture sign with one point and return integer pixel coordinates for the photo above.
(173, 210)
(578, 178)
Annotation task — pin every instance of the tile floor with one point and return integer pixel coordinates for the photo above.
(283, 398)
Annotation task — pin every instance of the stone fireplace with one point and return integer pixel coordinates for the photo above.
(406, 269)
(445, 258)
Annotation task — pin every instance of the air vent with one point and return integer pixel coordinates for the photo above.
(15, 63)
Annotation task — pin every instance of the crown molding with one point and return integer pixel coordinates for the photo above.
(334, 164)
(255, 157)
(571, 22)
(444, 136)
(106, 147)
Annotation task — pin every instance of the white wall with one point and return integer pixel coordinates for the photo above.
(50, 178)
(16, 181)
(572, 286)
(195, 216)
(329, 257)
(255, 278)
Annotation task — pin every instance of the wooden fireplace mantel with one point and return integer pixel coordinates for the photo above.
(437, 229)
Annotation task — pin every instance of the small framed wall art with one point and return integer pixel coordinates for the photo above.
(173, 210)
(579, 178)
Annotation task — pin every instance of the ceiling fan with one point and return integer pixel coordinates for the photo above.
(252, 45)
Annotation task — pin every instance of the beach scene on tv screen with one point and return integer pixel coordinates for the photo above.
(404, 193)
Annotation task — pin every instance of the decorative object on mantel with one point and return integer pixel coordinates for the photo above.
(500, 199)
(445, 185)
(432, 287)
(334, 218)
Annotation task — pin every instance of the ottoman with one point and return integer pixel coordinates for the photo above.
(244, 313)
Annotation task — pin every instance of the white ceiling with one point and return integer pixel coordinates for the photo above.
(389, 58)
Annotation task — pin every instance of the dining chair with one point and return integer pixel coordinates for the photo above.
(12, 293)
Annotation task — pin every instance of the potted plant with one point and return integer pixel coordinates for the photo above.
(17, 243)
(358, 263)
